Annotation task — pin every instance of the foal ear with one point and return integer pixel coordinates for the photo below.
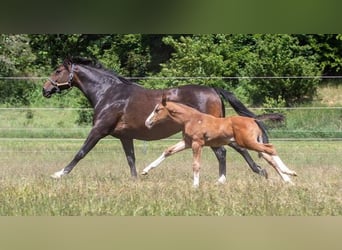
(164, 100)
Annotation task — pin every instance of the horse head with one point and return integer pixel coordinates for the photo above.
(61, 79)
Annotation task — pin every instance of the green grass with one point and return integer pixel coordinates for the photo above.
(101, 183)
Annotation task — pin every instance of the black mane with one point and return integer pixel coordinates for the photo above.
(95, 64)
(84, 61)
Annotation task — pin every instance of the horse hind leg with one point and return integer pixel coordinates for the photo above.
(220, 153)
(168, 152)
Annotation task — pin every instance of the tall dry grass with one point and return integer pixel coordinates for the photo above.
(101, 183)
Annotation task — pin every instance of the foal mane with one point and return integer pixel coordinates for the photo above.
(182, 103)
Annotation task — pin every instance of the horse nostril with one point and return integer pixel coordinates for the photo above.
(46, 93)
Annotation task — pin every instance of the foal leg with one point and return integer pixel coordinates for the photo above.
(282, 166)
(271, 161)
(196, 151)
(251, 163)
(168, 152)
(270, 150)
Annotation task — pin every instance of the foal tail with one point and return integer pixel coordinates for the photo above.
(263, 130)
(242, 110)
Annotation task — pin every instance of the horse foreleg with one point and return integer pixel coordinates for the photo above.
(128, 147)
(251, 163)
(93, 138)
(168, 152)
(196, 151)
(220, 153)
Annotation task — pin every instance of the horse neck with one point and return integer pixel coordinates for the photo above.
(94, 83)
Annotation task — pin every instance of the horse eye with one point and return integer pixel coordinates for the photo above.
(58, 71)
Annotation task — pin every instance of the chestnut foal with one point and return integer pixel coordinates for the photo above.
(201, 129)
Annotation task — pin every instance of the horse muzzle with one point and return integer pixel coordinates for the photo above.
(49, 92)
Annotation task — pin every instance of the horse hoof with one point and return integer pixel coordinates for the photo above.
(222, 180)
(58, 175)
(264, 173)
(144, 173)
(55, 176)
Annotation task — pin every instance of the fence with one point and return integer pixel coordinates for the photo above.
(302, 123)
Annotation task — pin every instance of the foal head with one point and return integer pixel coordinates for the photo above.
(160, 113)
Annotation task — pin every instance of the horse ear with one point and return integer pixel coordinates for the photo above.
(164, 99)
(67, 62)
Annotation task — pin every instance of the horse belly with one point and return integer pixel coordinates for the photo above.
(141, 132)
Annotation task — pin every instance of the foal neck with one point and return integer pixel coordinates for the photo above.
(180, 113)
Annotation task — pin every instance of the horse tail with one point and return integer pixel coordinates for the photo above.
(242, 110)
(263, 130)
(236, 104)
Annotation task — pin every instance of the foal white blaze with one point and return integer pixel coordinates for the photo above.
(148, 121)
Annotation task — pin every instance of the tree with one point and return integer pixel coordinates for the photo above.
(279, 56)
(328, 49)
(244, 55)
(16, 59)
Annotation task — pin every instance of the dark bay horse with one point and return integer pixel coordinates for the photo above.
(201, 130)
(121, 108)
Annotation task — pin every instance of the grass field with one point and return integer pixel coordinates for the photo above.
(101, 183)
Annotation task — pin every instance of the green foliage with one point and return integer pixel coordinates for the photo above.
(16, 59)
(183, 59)
(246, 55)
(327, 48)
(198, 56)
(277, 56)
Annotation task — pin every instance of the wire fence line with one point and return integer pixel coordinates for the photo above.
(54, 129)
(84, 129)
(227, 108)
(185, 77)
